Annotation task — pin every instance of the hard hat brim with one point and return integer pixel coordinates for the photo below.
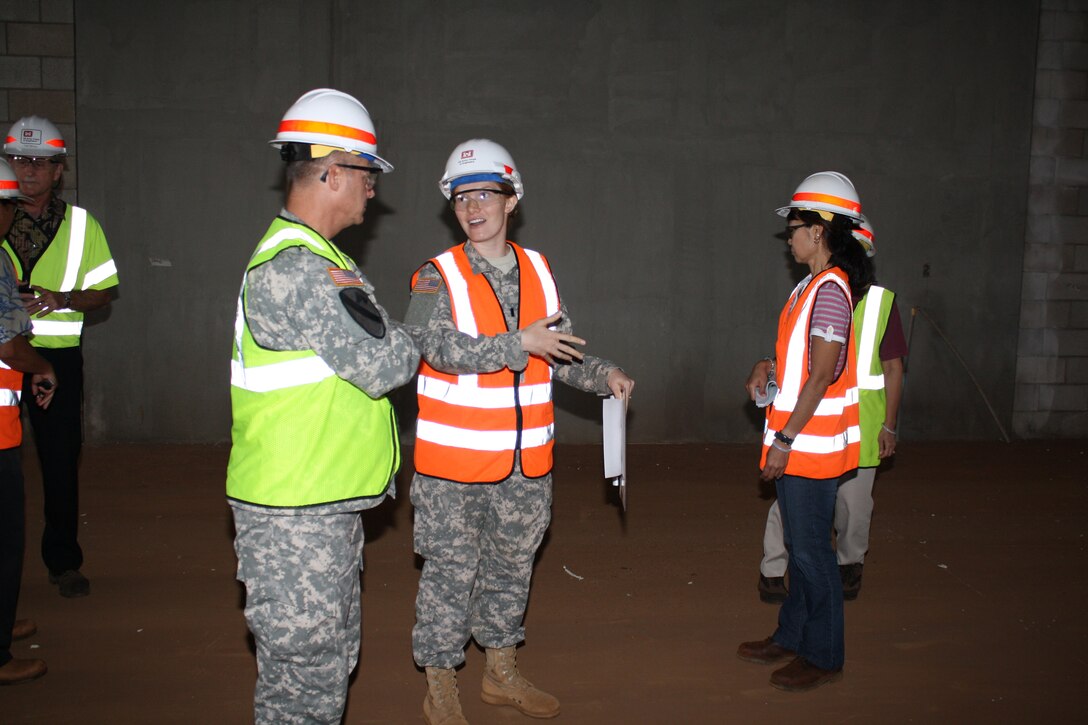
(384, 165)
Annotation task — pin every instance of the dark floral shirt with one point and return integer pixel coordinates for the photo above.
(30, 236)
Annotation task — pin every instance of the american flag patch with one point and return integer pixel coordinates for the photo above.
(426, 285)
(344, 277)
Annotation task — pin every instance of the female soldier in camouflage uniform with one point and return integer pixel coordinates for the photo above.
(491, 329)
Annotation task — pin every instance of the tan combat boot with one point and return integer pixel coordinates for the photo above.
(442, 705)
(504, 685)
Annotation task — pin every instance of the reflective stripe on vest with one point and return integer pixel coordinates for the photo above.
(483, 440)
(867, 340)
(467, 393)
(55, 328)
(77, 238)
(279, 375)
(99, 273)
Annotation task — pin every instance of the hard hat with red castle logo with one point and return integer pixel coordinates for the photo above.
(34, 136)
(480, 160)
(325, 120)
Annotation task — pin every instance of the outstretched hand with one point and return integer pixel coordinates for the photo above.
(537, 339)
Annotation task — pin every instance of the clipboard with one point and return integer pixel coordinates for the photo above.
(614, 432)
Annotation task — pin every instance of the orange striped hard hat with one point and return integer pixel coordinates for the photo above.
(329, 120)
(825, 191)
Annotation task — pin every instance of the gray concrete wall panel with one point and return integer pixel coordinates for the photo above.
(655, 139)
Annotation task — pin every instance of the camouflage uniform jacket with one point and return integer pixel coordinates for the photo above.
(293, 304)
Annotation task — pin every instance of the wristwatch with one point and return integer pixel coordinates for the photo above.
(780, 436)
(67, 300)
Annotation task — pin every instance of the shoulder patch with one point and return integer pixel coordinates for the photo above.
(344, 277)
(426, 285)
(365, 313)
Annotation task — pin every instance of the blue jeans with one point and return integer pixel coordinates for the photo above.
(810, 621)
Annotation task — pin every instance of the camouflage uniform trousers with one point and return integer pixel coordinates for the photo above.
(478, 541)
(302, 605)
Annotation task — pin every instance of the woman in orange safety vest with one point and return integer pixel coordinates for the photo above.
(811, 435)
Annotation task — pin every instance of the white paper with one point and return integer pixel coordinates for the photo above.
(614, 427)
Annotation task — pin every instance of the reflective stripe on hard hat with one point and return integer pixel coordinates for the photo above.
(9, 185)
(828, 199)
(332, 129)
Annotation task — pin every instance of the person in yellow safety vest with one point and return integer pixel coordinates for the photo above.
(878, 333)
(493, 333)
(812, 434)
(16, 358)
(314, 439)
(66, 270)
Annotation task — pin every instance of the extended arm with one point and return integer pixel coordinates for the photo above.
(893, 395)
(18, 354)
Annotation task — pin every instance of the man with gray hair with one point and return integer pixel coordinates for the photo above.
(314, 437)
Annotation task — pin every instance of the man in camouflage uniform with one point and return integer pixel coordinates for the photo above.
(479, 533)
(314, 438)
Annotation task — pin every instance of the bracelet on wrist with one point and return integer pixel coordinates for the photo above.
(887, 429)
(777, 447)
(780, 436)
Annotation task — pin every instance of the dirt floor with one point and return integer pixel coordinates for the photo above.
(972, 609)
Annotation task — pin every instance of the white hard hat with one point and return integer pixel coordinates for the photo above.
(9, 183)
(328, 120)
(827, 191)
(480, 160)
(864, 234)
(34, 136)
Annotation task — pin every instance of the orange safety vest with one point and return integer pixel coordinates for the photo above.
(829, 444)
(11, 391)
(470, 426)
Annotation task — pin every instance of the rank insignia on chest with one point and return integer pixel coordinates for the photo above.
(344, 277)
(427, 285)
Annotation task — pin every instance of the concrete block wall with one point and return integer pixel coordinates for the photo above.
(655, 138)
(37, 71)
(1052, 357)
